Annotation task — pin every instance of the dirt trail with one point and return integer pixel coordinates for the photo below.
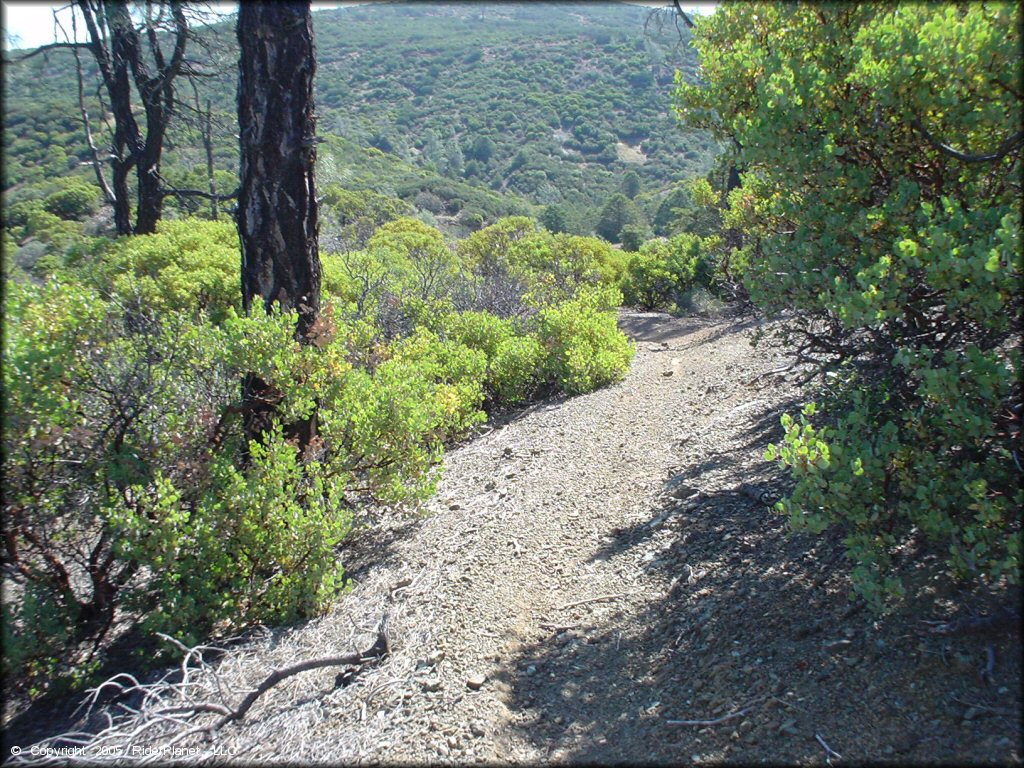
(601, 566)
(529, 520)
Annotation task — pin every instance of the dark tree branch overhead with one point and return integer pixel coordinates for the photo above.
(45, 49)
(686, 19)
(1001, 151)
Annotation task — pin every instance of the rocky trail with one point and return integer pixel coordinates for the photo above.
(601, 580)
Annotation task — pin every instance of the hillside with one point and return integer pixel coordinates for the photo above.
(541, 104)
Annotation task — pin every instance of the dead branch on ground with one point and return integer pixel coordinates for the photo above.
(153, 719)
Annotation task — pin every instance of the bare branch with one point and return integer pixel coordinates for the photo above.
(718, 720)
(1004, 148)
(44, 49)
(378, 650)
(686, 19)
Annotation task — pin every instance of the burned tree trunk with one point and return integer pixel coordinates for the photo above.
(121, 58)
(277, 209)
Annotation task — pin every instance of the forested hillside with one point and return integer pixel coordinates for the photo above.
(478, 111)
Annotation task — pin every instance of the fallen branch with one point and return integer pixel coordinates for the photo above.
(177, 706)
(378, 650)
(717, 720)
(985, 707)
(829, 752)
(599, 599)
(1006, 616)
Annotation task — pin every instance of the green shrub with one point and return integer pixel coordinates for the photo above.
(878, 215)
(663, 270)
(76, 201)
(123, 444)
(513, 359)
(478, 330)
(515, 369)
(585, 349)
(456, 374)
(188, 265)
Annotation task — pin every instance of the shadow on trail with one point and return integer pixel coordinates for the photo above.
(752, 617)
(659, 327)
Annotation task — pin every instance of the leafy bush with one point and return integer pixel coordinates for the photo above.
(123, 446)
(188, 265)
(663, 270)
(514, 372)
(454, 371)
(513, 358)
(75, 201)
(897, 256)
(585, 349)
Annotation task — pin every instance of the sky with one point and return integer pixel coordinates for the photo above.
(29, 24)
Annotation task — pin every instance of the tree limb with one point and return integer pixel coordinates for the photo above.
(378, 650)
(1004, 149)
(686, 19)
(44, 49)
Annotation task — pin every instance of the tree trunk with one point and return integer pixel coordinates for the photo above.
(277, 210)
(118, 50)
(208, 146)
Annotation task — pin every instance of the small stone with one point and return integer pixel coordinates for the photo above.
(746, 726)
(531, 670)
(476, 681)
(432, 684)
(971, 713)
(477, 729)
(507, 453)
(852, 661)
(788, 727)
(454, 506)
(682, 491)
(434, 658)
(666, 373)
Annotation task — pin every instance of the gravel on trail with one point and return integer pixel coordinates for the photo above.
(602, 579)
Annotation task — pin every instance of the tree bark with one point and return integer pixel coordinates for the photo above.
(277, 209)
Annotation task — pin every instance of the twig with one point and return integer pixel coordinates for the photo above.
(717, 720)
(556, 627)
(989, 669)
(599, 599)
(829, 752)
(996, 710)
(378, 650)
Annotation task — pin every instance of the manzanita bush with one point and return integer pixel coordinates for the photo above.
(880, 211)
